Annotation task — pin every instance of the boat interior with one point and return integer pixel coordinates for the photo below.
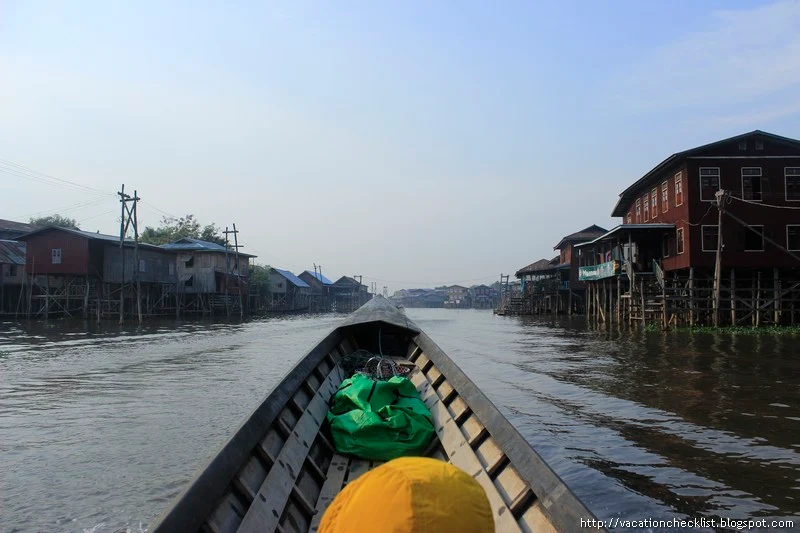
(280, 471)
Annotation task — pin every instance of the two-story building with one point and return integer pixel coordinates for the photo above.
(670, 232)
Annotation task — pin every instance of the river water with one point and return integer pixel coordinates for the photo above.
(101, 428)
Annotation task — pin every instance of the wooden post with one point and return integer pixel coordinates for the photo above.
(733, 297)
(758, 300)
(718, 264)
(86, 300)
(776, 293)
(691, 296)
(664, 304)
(644, 315)
(136, 267)
(47, 296)
(122, 257)
(619, 300)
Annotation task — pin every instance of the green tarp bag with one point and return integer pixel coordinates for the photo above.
(379, 420)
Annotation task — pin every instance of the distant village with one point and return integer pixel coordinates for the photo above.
(453, 297)
(709, 236)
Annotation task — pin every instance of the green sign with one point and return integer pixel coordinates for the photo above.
(601, 271)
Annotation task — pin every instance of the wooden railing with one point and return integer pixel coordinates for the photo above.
(659, 273)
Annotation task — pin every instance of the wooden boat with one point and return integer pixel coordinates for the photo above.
(279, 471)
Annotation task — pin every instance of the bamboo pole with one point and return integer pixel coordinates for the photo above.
(776, 291)
(691, 296)
(733, 297)
(758, 300)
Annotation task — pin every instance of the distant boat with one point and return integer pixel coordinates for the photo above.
(279, 470)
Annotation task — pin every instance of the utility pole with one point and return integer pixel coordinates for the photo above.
(129, 217)
(718, 265)
(229, 270)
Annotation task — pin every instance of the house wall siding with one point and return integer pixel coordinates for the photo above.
(74, 253)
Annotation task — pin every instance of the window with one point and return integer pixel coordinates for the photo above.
(646, 202)
(679, 240)
(629, 218)
(793, 237)
(759, 145)
(664, 197)
(171, 269)
(665, 246)
(792, 177)
(751, 184)
(742, 145)
(678, 189)
(12, 271)
(754, 239)
(56, 255)
(638, 210)
(709, 184)
(141, 265)
(654, 201)
(710, 236)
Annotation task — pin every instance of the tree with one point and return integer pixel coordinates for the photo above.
(259, 283)
(55, 220)
(172, 229)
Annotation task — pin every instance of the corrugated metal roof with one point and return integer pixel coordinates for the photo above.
(188, 243)
(586, 234)
(16, 226)
(294, 280)
(630, 228)
(12, 252)
(320, 277)
(95, 236)
(198, 245)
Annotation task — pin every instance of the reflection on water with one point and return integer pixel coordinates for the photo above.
(106, 426)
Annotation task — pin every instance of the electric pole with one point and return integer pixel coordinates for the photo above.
(718, 265)
(128, 217)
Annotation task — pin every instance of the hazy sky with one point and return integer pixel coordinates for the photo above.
(415, 143)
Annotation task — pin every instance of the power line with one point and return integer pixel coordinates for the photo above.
(21, 171)
(762, 204)
(71, 207)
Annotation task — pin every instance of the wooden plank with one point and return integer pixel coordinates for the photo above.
(333, 484)
(357, 468)
(558, 503)
(267, 508)
(462, 455)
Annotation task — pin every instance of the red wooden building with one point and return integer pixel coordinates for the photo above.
(74, 271)
(670, 230)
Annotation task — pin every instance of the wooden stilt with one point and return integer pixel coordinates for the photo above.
(691, 296)
(758, 300)
(733, 297)
(776, 291)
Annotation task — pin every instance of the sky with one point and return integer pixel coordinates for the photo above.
(413, 143)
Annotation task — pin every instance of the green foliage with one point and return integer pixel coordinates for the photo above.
(744, 330)
(259, 280)
(652, 328)
(55, 220)
(172, 229)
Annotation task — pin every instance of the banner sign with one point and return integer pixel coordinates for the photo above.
(601, 271)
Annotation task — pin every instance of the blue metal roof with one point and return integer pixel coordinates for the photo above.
(198, 245)
(294, 280)
(188, 243)
(320, 277)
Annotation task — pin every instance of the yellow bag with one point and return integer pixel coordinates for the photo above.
(411, 495)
